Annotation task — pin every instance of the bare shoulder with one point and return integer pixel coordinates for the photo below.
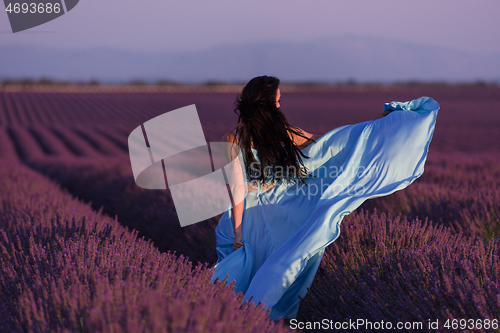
(230, 137)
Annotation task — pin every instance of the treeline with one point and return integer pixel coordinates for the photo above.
(46, 81)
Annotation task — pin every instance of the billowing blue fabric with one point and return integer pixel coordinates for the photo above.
(286, 229)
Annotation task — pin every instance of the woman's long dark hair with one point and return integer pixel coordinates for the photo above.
(262, 123)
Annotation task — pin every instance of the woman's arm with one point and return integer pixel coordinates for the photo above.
(238, 191)
(237, 217)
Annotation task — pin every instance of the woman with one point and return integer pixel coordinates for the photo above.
(271, 243)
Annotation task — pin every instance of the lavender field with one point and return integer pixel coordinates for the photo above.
(84, 249)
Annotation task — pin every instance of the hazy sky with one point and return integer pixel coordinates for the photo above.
(193, 24)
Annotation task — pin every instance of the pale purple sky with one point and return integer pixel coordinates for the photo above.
(195, 24)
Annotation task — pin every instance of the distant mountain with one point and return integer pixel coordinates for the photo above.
(329, 59)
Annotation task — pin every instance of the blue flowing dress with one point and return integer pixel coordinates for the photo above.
(286, 228)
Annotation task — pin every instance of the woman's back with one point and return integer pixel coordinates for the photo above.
(254, 171)
(299, 141)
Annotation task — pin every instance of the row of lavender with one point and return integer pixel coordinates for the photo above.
(380, 268)
(37, 141)
(23, 108)
(64, 267)
(468, 119)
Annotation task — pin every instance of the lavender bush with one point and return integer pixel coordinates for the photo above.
(457, 190)
(108, 183)
(384, 268)
(67, 268)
